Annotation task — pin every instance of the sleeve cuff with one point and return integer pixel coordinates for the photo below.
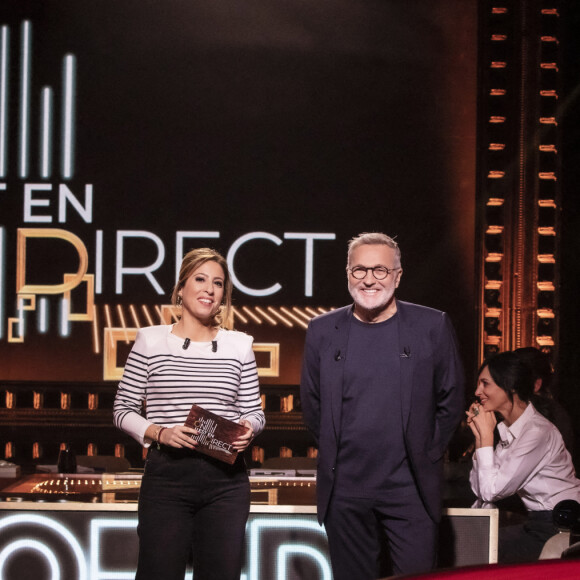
(484, 456)
(136, 425)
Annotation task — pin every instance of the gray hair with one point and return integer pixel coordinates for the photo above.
(373, 238)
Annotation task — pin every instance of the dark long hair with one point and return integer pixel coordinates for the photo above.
(511, 374)
(540, 364)
(541, 368)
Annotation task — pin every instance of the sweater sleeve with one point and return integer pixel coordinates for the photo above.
(249, 402)
(131, 393)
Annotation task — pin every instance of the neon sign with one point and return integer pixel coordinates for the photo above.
(92, 545)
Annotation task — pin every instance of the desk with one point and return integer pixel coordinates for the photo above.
(96, 539)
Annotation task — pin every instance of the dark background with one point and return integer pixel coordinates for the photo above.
(276, 116)
(568, 364)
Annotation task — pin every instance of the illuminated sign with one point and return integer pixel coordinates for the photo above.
(120, 152)
(92, 545)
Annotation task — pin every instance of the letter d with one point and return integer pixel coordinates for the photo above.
(22, 235)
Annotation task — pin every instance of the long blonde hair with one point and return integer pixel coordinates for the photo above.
(193, 260)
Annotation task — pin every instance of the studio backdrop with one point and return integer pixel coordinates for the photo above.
(271, 130)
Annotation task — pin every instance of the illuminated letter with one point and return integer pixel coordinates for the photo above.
(99, 529)
(99, 261)
(26, 547)
(74, 280)
(179, 245)
(232, 254)
(304, 551)
(65, 194)
(29, 202)
(121, 235)
(278, 537)
(309, 260)
(60, 543)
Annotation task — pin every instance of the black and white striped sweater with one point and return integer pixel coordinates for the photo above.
(161, 381)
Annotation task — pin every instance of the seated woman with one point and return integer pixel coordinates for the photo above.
(530, 458)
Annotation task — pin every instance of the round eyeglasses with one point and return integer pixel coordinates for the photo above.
(379, 272)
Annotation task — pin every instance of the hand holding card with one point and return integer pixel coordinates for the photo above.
(215, 434)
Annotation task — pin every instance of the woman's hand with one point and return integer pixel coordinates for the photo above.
(471, 414)
(482, 424)
(241, 444)
(178, 436)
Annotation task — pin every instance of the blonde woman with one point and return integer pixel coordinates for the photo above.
(189, 502)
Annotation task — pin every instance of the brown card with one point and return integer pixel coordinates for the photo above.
(216, 434)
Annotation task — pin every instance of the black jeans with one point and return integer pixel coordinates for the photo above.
(191, 505)
(524, 542)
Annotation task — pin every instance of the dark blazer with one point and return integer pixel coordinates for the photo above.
(432, 394)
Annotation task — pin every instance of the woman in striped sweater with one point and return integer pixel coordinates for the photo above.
(190, 503)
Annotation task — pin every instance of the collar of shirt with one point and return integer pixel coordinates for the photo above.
(508, 434)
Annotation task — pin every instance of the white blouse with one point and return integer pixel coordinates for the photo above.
(530, 460)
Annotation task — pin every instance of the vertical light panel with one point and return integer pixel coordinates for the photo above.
(64, 326)
(68, 115)
(547, 216)
(2, 280)
(520, 176)
(99, 262)
(46, 120)
(25, 76)
(499, 124)
(42, 316)
(4, 46)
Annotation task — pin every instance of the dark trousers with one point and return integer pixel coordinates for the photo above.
(357, 530)
(190, 505)
(524, 542)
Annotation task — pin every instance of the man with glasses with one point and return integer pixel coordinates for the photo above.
(382, 391)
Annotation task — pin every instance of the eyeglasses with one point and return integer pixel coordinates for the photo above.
(379, 272)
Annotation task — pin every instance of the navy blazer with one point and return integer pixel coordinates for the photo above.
(432, 394)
